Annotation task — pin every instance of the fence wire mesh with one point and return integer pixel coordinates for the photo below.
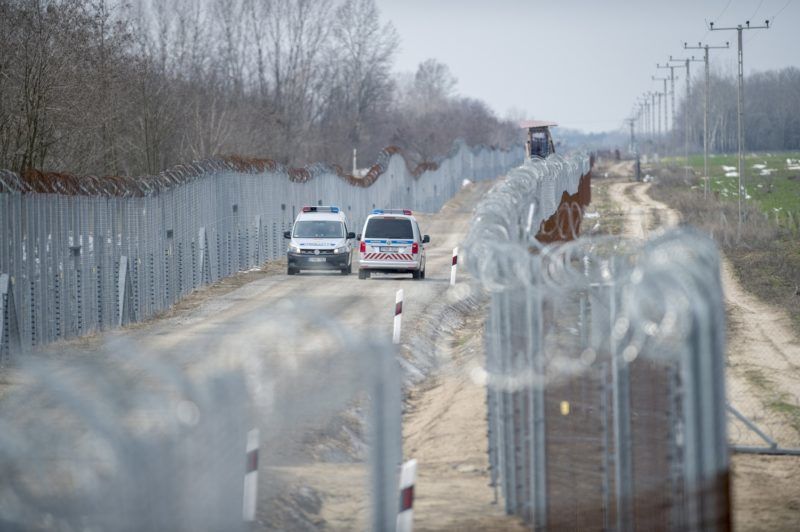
(83, 254)
(605, 369)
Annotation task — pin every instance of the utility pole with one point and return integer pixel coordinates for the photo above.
(658, 115)
(706, 48)
(645, 113)
(740, 107)
(653, 120)
(672, 79)
(631, 121)
(665, 105)
(635, 149)
(686, 110)
(641, 116)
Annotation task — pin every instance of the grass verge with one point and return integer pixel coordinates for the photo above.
(772, 180)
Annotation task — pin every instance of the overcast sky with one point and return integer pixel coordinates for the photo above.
(582, 63)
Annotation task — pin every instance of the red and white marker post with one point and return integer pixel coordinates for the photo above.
(408, 477)
(250, 477)
(453, 267)
(398, 316)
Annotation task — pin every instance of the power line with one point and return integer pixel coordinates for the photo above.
(780, 11)
(756, 11)
(723, 10)
(771, 21)
(715, 20)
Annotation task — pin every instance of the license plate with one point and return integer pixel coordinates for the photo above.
(390, 249)
(316, 259)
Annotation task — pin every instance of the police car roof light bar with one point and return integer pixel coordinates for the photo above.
(406, 212)
(321, 208)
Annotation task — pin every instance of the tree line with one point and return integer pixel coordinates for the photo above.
(110, 87)
(771, 112)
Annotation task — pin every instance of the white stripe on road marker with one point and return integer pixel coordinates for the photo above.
(250, 476)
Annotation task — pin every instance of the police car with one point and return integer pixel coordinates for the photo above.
(320, 240)
(391, 242)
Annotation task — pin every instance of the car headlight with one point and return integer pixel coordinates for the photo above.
(342, 249)
(294, 248)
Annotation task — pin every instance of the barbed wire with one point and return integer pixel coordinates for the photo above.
(637, 326)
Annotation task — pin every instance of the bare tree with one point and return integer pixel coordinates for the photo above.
(134, 86)
(363, 51)
(433, 83)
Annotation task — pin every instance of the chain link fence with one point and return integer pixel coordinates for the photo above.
(83, 254)
(605, 369)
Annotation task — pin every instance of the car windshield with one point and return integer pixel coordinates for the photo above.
(389, 228)
(318, 229)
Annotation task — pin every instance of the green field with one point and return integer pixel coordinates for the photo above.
(777, 194)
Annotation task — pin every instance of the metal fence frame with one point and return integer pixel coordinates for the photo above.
(79, 263)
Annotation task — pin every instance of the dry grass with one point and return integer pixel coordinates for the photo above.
(765, 256)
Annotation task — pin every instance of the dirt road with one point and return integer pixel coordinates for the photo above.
(763, 373)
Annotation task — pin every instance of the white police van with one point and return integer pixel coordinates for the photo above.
(392, 242)
(320, 239)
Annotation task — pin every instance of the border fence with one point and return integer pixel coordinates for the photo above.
(82, 254)
(136, 439)
(605, 369)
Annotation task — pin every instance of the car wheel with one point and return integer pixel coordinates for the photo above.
(291, 271)
(422, 273)
(415, 274)
(363, 274)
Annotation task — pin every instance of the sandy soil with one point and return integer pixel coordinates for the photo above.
(763, 367)
(445, 430)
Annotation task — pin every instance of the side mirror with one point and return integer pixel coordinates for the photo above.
(358, 236)
(287, 234)
(350, 235)
(426, 239)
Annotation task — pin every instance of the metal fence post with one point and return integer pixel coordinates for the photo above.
(622, 427)
(204, 262)
(506, 400)
(493, 418)
(386, 433)
(124, 304)
(539, 428)
(10, 339)
(259, 245)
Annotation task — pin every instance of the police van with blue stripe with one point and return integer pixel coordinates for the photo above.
(392, 242)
